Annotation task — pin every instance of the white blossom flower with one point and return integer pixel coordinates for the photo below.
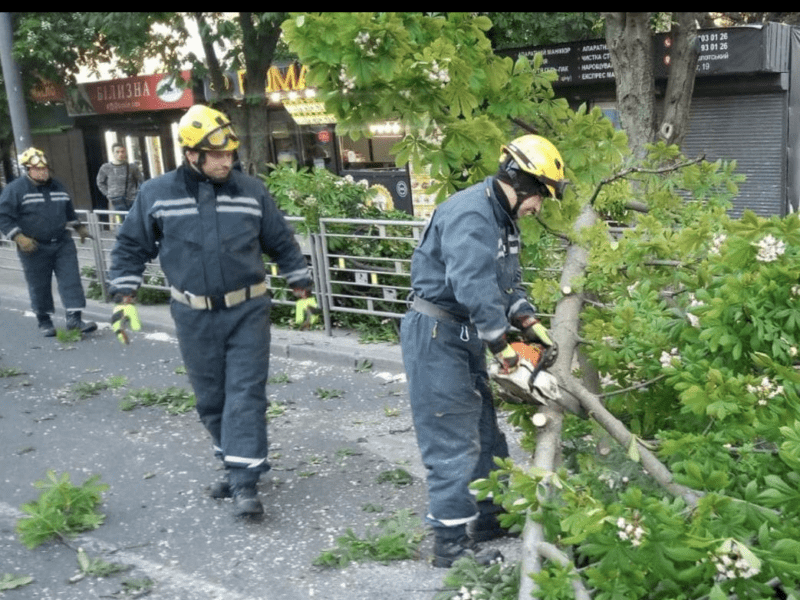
(631, 531)
(769, 249)
(733, 560)
(694, 320)
(716, 243)
(348, 83)
(670, 359)
(765, 391)
(438, 74)
(606, 379)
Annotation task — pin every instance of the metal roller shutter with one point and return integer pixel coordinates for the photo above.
(749, 129)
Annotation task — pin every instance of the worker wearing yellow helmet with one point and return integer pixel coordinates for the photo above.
(533, 167)
(210, 225)
(208, 141)
(35, 211)
(467, 294)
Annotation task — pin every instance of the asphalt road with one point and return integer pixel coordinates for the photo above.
(333, 431)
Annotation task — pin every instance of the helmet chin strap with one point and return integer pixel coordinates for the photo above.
(198, 167)
(502, 198)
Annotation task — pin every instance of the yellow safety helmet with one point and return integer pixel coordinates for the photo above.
(33, 157)
(204, 128)
(536, 156)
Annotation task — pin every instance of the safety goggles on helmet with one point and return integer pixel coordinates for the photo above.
(204, 128)
(219, 139)
(537, 157)
(33, 157)
(525, 184)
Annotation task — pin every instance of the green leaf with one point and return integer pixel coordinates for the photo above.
(10, 582)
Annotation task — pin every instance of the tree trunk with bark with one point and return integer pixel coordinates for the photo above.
(629, 37)
(260, 35)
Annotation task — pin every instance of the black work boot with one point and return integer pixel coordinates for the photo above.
(487, 526)
(74, 321)
(246, 503)
(452, 543)
(221, 488)
(46, 325)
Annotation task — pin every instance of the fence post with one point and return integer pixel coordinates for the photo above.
(319, 269)
(97, 249)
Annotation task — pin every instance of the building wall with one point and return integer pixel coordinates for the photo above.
(67, 155)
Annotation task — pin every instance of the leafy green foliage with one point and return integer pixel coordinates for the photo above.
(68, 336)
(97, 567)
(394, 538)
(86, 389)
(10, 372)
(693, 326)
(62, 509)
(517, 29)
(56, 45)
(10, 582)
(327, 394)
(467, 580)
(436, 73)
(317, 193)
(399, 477)
(174, 400)
(94, 291)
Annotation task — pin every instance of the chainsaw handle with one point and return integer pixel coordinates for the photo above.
(545, 359)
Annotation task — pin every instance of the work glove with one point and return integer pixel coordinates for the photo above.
(83, 232)
(124, 315)
(504, 355)
(533, 332)
(306, 310)
(25, 244)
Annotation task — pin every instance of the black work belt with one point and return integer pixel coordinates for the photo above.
(435, 312)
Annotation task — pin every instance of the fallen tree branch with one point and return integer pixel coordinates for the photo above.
(654, 467)
(550, 552)
(633, 205)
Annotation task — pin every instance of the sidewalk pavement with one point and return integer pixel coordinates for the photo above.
(342, 348)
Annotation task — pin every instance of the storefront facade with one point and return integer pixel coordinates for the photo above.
(142, 113)
(744, 107)
(300, 130)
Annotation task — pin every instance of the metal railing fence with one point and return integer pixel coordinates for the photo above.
(358, 266)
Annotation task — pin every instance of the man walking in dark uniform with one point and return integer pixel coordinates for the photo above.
(35, 211)
(210, 224)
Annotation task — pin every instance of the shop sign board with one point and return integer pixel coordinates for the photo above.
(728, 51)
(287, 78)
(130, 94)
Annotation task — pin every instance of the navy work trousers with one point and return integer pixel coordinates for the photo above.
(226, 353)
(453, 413)
(59, 258)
